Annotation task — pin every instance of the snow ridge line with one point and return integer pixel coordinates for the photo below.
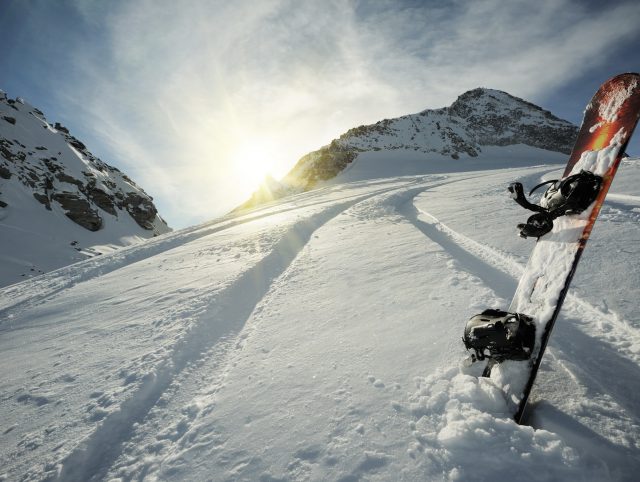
(620, 331)
(20, 295)
(92, 459)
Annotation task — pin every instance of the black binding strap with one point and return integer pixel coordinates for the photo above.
(542, 184)
(517, 192)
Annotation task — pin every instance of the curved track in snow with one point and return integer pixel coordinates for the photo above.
(501, 272)
(220, 322)
(313, 339)
(17, 298)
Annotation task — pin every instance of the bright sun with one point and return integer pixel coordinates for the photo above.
(251, 163)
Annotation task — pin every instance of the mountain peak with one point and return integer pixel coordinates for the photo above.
(481, 97)
(484, 92)
(477, 120)
(481, 101)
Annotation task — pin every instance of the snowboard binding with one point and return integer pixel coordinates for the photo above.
(499, 335)
(571, 195)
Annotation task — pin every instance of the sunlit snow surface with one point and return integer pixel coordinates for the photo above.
(319, 339)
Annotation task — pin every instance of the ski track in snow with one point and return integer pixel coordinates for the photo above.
(190, 390)
(17, 298)
(183, 428)
(449, 406)
(92, 459)
(613, 349)
(501, 272)
(470, 255)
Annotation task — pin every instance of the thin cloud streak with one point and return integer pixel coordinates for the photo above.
(182, 85)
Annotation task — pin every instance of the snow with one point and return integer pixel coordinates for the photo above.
(408, 162)
(35, 240)
(318, 338)
(615, 98)
(598, 162)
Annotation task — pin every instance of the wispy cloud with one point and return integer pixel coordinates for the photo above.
(178, 87)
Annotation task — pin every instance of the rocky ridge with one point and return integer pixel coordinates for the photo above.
(58, 202)
(60, 172)
(477, 119)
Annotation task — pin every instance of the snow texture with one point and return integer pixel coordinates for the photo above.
(615, 98)
(50, 185)
(318, 338)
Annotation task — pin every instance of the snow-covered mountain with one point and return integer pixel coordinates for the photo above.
(58, 202)
(469, 129)
(319, 338)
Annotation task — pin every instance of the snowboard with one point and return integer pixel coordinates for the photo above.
(609, 121)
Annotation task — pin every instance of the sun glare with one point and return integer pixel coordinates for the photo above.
(252, 162)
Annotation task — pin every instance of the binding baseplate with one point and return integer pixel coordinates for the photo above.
(499, 335)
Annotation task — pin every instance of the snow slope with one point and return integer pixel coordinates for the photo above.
(318, 338)
(58, 202)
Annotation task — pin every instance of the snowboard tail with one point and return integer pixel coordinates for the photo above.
(608, 124)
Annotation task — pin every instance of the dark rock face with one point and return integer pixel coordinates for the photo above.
(64, 177)
(103, 200)
(141, 209)
(496, 118)
(61, 128)
(84, 186)
(78, 210)
(43, 199)
(327, 163)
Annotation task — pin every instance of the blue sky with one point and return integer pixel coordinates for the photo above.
(197, 99)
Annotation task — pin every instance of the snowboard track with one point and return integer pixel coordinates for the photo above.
(500, 282)
(92, 459)
(580, 319)
(18, 297)
(582, 312)
(376, 206)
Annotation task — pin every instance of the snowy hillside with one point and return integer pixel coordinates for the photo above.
(318, 338)
(477, 126)
(59, 203)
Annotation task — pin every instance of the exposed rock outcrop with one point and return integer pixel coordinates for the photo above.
(59, 203)
(79, 210)
(141, 209)
(323, 164)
